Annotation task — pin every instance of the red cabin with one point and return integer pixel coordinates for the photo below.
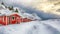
(12, 19)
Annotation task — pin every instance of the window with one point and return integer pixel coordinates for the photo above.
(13, 17)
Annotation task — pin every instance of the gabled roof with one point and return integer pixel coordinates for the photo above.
(14, 15)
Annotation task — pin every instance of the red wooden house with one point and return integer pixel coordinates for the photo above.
(12, 19)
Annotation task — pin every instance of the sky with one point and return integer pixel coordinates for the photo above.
(23, 2)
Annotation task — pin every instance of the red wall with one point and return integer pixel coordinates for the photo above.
(5, 20)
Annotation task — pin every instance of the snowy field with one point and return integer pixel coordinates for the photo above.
(34, 27)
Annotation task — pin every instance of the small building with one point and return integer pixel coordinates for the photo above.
(12, 19)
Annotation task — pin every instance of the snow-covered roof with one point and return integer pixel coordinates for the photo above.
(2, 7)
(31, 16)
(6, 12)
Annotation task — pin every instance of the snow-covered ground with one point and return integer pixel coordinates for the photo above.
(34, 27)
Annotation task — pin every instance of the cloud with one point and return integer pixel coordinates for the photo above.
(19, 2)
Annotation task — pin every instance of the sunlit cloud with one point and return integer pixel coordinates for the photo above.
(48, 6)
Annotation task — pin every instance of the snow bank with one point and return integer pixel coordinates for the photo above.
(53, 22)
